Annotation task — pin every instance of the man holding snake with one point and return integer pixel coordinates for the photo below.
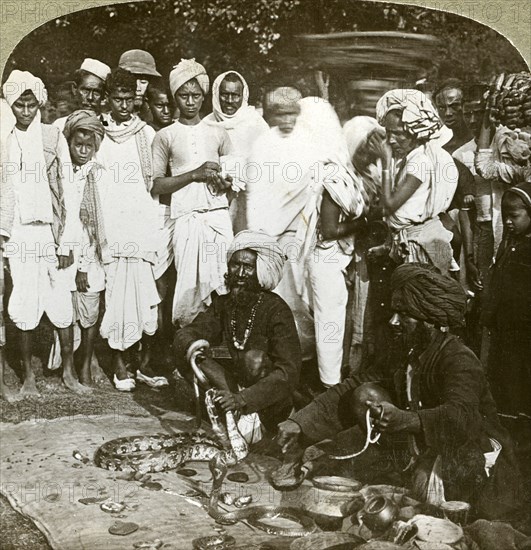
(259, 330)
(442, 430)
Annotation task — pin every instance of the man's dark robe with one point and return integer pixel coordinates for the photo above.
(457, 415)
(274, 333)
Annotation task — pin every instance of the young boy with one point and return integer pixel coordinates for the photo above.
(160, 107)
(38, 251)
(131, 225)
(84, 132)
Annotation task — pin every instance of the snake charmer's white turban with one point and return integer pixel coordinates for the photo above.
(269, 256)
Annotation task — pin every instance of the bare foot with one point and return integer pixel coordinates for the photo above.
(85, 377)
(9, 394)
(120, 369)
(72, 384)
(97, 373)
(144, 367)
(29, 388)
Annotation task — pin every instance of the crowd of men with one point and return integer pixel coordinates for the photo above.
(284, 236)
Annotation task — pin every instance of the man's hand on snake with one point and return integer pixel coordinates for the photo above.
(391, 419)
(288, 435)
(229, 401)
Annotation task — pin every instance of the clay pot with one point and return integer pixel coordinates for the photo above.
(330, 500)
(378, 513)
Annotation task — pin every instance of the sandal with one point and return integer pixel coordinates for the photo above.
(152, 382)
(128, 384)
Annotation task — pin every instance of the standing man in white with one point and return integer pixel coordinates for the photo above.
(131, 225)
(192, 149)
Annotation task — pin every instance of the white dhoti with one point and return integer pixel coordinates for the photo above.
(327, 271)
(87, 308)
(426, 242)
(201, 241)
(38, 288)
(165, 254)
(131, 300)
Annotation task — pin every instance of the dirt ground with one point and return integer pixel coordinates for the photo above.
(18, 532)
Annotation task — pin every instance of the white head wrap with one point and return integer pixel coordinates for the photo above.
(185, 71)
(95, 67)
(15, 85)
(35, 202)
(419, 116)
(219, 115)
(20, 81)
(269, 256)
(511, 146)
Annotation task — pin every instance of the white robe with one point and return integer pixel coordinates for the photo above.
(202, 230)
(132, 230)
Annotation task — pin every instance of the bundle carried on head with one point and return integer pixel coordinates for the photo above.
(509, 100)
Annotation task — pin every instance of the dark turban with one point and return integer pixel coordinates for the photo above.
(420, 291)
(87, 121)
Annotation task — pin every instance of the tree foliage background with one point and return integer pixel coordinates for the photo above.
(255, 37)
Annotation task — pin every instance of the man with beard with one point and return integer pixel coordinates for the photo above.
(244, 124)
(258, 327)
(442, 430)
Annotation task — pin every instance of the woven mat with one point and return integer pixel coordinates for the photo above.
(44, 481)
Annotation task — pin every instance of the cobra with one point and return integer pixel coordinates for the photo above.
(161, 452)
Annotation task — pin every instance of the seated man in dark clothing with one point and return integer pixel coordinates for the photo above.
(260, 332)
(442, 424)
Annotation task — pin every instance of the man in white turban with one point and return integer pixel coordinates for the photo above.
(419, 178)
(39, 249)
(279, 185)
(194, 209)
(259, 330)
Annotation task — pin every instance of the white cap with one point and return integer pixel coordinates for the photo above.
(97, 68)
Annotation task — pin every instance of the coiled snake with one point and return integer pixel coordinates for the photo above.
(160, 452)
